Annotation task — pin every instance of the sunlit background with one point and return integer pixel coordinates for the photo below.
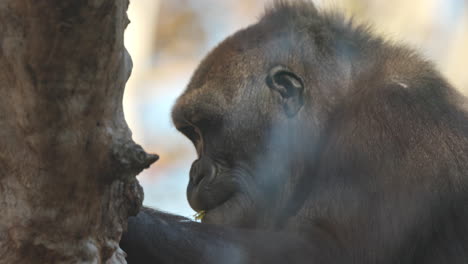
(168, 38)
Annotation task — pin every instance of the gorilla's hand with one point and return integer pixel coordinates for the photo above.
(157, 237)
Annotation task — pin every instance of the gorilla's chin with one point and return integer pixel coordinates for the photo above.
(237, 212)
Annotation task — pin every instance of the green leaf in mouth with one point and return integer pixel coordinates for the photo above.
(199, 215)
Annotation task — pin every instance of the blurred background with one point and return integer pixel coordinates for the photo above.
(168, 38)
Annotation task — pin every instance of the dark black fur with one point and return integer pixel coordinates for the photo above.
(317, 143)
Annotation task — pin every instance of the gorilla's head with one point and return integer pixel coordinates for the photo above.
(259, 105)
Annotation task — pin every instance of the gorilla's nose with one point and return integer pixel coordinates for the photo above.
(201, 169)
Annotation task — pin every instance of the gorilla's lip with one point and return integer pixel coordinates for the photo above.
(219, 203)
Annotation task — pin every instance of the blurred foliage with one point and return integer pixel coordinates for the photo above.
(179, 32)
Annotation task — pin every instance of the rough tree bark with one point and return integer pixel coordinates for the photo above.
(67, 160)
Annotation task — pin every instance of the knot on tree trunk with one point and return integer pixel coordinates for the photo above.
(131, 157)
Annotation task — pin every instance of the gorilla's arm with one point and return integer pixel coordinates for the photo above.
(156, 237)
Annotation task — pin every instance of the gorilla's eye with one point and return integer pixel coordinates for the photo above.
(191, 133)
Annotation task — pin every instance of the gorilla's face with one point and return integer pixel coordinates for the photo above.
(237, 111)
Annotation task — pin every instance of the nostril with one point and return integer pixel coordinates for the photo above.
(197, 178)
(196, 173)
(201, 170)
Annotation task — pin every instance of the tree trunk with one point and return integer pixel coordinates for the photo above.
(67, 160)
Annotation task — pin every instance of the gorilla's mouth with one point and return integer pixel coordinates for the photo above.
(237, 211)
(216, 194)
(219, 213)
(201, 200)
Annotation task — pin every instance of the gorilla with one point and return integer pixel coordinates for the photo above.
(317, 142)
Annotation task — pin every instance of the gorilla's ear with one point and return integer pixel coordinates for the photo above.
(289, 85)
